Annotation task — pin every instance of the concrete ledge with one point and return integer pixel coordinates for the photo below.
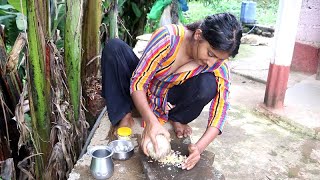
(279, 118)
(129, 169)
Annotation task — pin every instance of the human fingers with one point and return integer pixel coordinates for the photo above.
(154, 142)
(191, 161)
(188, 164)
(191, 165)
(144, 143)
(193, 158)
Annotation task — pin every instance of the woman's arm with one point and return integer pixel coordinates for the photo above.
(153, 127)
(151, 59)
(220, 104)
(195, 150)
(210, 134)
(217, 117)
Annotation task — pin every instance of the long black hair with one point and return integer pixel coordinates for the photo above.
(223, 32)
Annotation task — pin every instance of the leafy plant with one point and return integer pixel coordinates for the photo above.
(12, 18)
(131, 17)
(265, 11)
(16, 4)
(58, 23)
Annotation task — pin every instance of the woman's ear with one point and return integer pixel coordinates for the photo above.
(198, 34)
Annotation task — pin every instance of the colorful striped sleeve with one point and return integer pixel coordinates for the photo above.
(220, 104)
(156, 50)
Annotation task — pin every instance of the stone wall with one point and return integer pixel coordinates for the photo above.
(306, 55)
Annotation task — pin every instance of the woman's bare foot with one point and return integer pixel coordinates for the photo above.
(181, 130)
(127, 121)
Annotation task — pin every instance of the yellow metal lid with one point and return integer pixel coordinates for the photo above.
(124, 131)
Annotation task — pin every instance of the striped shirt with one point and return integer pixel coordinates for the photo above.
(152, 75)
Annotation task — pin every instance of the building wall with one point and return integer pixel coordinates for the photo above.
(309, 23)
(306, 56)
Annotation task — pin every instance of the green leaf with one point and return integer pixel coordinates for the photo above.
(3, 2)
(4, 18)
(136, 9)
(27, 119)
(59, 20)
(5, 12)
(12, 31)
(17, 6)
(21, 22)
(121, 2)
(6, 7)
(60, 43)
(106, 4)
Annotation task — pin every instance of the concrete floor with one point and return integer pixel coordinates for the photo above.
(256, 143)
(301, 111)
(251, 146)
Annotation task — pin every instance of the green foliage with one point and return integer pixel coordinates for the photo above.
(13, 20)
(28, 120)
(21, 22)
(151, 26)
(106, 4)
(16, 4)
(131, 18)
(156, 12)
(136, 9)
(59, 19)
(11, 32)
(266, 12)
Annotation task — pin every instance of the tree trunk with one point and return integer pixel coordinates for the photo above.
(73, 52)
(90, 57)
(10, 82)
(90, 38)
(39, 96)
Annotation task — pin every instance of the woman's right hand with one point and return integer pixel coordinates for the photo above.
(152, 129)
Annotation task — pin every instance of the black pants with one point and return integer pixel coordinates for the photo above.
(118, 62)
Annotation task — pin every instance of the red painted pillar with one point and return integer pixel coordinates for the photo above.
(279, 69)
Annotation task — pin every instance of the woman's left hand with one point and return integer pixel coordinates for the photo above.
(193, 158)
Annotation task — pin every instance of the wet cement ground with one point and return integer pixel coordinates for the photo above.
(254, 144)
(250, 147)
(253, 147)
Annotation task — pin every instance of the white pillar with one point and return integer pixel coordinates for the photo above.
(285, 35)
(286, 30)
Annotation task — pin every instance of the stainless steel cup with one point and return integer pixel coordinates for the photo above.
(101, 166)
(121, 154)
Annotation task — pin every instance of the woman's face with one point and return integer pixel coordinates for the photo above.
(204, 54)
